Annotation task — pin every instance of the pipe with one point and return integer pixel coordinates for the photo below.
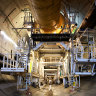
(47, 14)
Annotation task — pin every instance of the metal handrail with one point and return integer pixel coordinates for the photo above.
(11, 63)
(91, 54)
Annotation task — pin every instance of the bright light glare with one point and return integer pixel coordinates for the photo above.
(55, 32)
(8, 38)
(28, 26)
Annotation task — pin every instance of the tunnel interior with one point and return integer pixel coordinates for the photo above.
(47, 47)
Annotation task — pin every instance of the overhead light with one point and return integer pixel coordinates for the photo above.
(29, 26)
(55, 32)
(8, 38)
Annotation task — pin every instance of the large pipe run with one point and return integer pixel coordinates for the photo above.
(47, 14)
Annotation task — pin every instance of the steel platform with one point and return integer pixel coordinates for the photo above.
(51, 37)
(86, 61)
(12, 69)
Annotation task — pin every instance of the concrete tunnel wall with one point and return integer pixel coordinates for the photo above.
(6, 78)
(5, 45)
(8, 20)
(8, 85)
(11, 16)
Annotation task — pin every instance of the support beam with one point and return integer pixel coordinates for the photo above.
(51, 37)
(53, 63)
(38, 46)
(65, 46)
(84, 73)
(52, 55)
(50, 74)
(50, 69)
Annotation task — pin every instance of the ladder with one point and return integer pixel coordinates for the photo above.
(23, 81)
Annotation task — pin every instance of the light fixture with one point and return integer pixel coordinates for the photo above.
(29, 26)
(8, 38)
(55, 32)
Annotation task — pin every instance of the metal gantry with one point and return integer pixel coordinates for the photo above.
(18, 64)
(81, 60)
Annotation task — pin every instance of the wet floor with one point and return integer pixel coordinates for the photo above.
(88, 88)
(57, 90)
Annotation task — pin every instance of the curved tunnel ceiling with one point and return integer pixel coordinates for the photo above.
(81, 7)
(47, 14)
(11, 9)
